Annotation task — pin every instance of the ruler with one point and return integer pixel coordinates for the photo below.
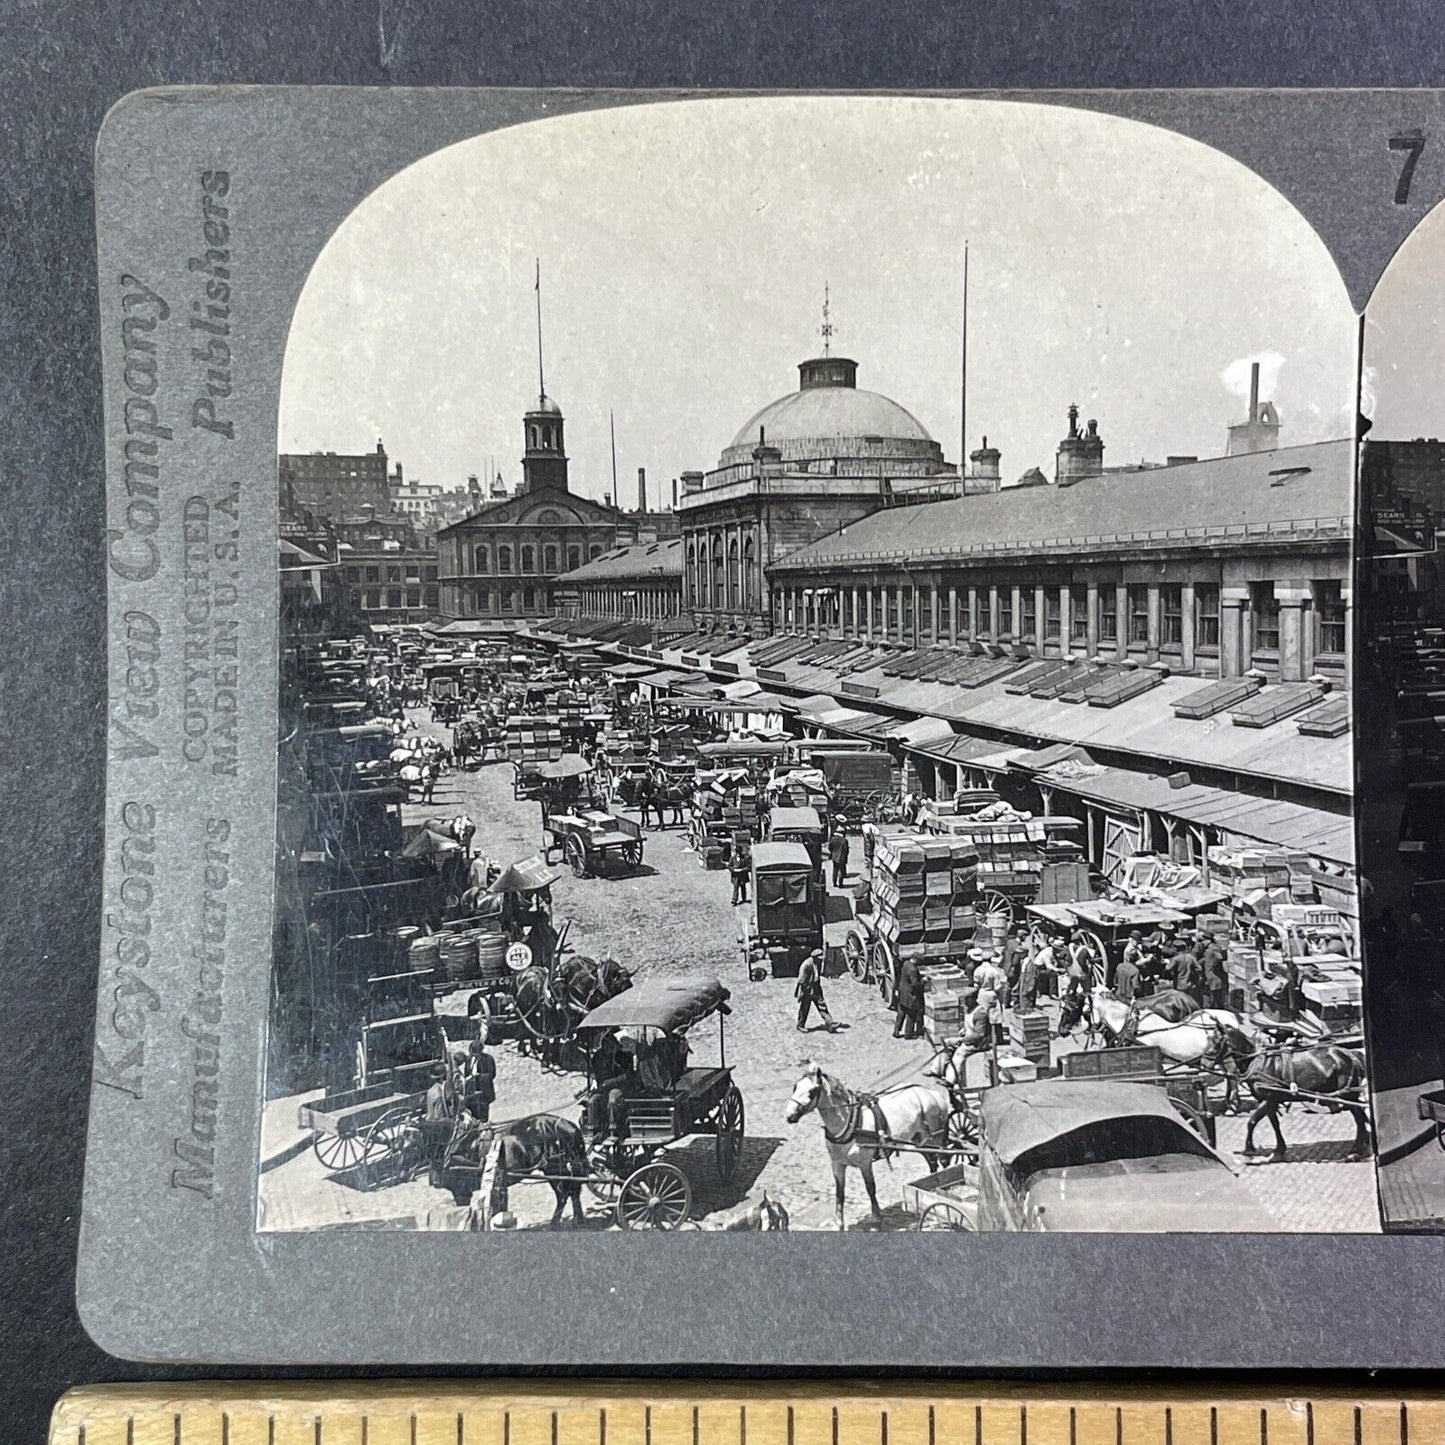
(760, 1413)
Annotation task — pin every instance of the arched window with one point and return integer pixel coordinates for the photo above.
(529, 599)
(504, 558)
(532, 437)
(690, 573)
(529, 559)
(717, 570)
(749, 580)
(702, 597)
(549, 559)
(574, 558)
(734, 581)
(479, 560)
(594, 552)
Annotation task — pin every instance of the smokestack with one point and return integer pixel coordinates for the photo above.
(674, 494)
(1254, 392)
(642, 489)
(606, 499)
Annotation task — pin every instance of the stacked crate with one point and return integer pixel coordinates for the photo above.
(1029, 1034)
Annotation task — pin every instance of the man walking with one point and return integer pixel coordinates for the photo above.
(838, 852)
(809, 993)
(738, 868)
(908, 1001)
(1216, 974)
(1186, 970)
(1126, 975)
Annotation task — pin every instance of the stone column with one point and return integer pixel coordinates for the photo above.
(1092, 604)
(972, 613)
(993, 613)
(1066, 621)
(1121, 619)
(953, 615)
(1186, 626)
(857, 614)
(1155, 623)
(936, 632)
(1349, 633)
(1233, 645)
(868, 603)
(1296, 645)
(1041, 618)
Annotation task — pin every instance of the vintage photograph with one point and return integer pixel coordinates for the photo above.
(816, 676)
(1402, 724)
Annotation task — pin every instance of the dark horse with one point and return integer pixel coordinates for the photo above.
(1324, 1074)
(552, 1003)
(1172, 1005)
(538, 1144)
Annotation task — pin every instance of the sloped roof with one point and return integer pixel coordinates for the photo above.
(1223, 499)
(640, 562)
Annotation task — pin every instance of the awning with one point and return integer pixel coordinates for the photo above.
(628, 671)
(698, 685)
(921, 732)
(810, 707)
(845, 719)
(1284, 824)
(661, 677)
(1037, 760)
(743, 687)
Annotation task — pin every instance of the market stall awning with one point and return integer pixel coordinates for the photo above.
(661, 677)
(626, 671)
(808, 708)
(846, 719)
(1277, 821)
(743, 687)
(924, 733)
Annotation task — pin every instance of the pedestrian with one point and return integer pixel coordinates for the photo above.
(480, 1085)
(1046, 966)
(987, 975)
(1126, 975)
(429, 781)
(738, 869)
(1133, 955)
(838, 852)
(1185, 965)
(908, 1001)
(1028, 989)
(1012, 960)
(809, 993)
(1214, 963)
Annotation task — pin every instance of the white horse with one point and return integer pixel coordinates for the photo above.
(1216, 1038)
(859, 1129)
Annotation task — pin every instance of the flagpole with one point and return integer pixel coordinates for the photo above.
(963, 379)
(541, 381)
(612, 431)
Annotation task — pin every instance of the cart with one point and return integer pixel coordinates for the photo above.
(800, 825)
(630, 1171)
(592, 841)
(1012, 853)
(1106, 926)
(358, 1128)
(786, 923)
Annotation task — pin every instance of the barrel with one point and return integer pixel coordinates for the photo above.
(491, 955)
(426, 952)
(458, 956)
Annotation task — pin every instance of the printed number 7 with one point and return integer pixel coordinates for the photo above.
(1412, 142)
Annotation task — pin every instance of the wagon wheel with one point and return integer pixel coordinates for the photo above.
(632, 855)
(995, 911)
(1098, 960)
(657, 1196)
(728, 1141)
(603, 1182)
(855, 954)
(881, 958)
(479, 1007)
(946, 1216)
(388, 1148)
(575, 855)
(963, 1130)
(540, 1019)
(338, 1152)
(1197, 1120)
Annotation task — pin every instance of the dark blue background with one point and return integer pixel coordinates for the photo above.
(60, 69)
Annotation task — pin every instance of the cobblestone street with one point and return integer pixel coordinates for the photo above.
(674, 919)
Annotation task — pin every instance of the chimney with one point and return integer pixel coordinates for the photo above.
(1080, 454)
(1259, 431)
(642, 489)
(985, 467)
(691, 482)
(674, 494)
(606, 499)
(1254, 392)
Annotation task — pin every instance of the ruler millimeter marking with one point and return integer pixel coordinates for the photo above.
(709, 1413)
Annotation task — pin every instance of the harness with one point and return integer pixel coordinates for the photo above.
(853, 1130)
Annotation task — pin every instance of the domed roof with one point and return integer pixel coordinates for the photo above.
(545, 406)
(831, 411)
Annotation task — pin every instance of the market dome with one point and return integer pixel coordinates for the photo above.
(829, 425)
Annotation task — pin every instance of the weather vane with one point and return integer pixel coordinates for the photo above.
(827, 329)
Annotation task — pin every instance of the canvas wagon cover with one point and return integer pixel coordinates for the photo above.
(671, 1005)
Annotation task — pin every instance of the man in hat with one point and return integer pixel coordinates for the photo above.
(908, 1001)
(1126, 975)
(809, 993)
(1185, 966)
(1214, 963)
(987, 974)
(739, 867)
(838, 855)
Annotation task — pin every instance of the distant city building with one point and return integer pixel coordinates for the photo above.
(641, 583)
(335, 485)
(807, 464)
(503, 557)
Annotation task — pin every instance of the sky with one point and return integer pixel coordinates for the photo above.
(685, 246)
(1403, 386)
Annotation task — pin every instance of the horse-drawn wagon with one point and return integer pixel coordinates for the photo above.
(786, 923)
(1105, 925)
(800, 825)
(593, 841)
(645, 1097)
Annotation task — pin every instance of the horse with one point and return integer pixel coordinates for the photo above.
(537, 1144)
(1324, 1074)
(1172, 1005)
(551, 1002)
(859, 1129)
(673, 795)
